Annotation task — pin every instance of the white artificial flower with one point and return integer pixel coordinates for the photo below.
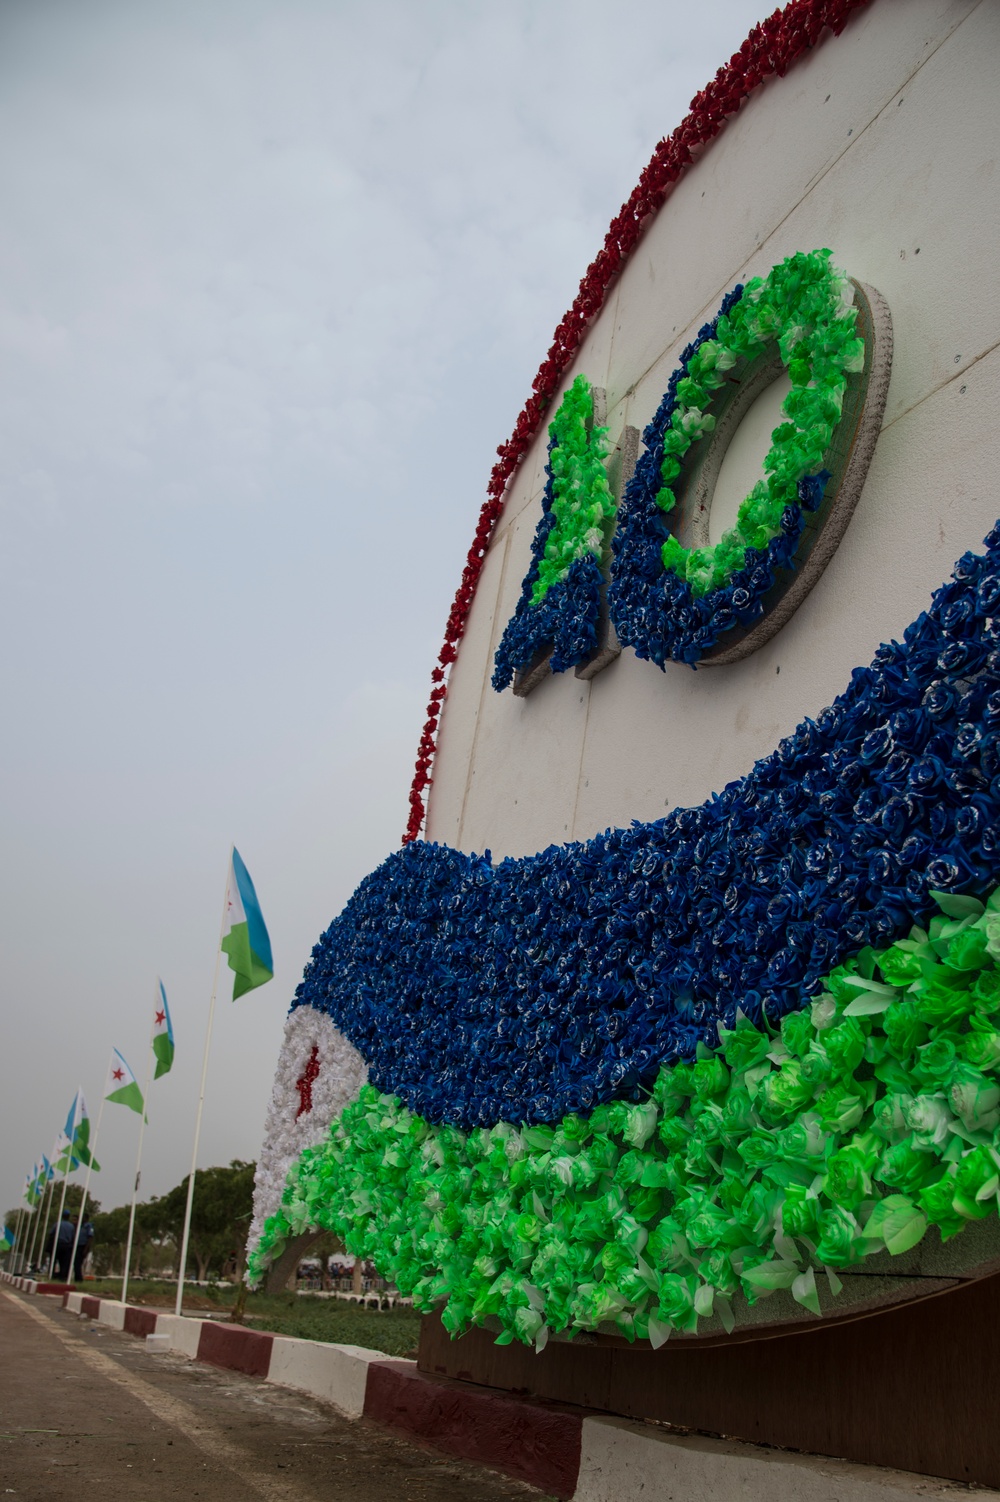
(290, 1128)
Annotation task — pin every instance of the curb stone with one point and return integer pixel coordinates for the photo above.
(570, 1453)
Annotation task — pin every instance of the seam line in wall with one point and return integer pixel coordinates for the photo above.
(711, 304)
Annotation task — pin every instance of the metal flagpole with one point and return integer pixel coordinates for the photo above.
(19, 1226)
(86, 1190)
(138, 1159)
(59, 1216)
(35, 1217)
(29, 1229)
(48, 1191)
(201, 1100)
(69, 1169)
(41, 1213)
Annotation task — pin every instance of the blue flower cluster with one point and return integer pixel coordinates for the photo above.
(564, 622)
(654, 611)
(547, 984)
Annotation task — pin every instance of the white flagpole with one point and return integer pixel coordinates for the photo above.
(62, 1198)
(138, 1159)
(16, 1248)
(40, 1213)
(86, 1191)
(48, 1191)
(29, 1234)
(201, 1100)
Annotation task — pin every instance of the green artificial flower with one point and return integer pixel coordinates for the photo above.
(800, 1211)
(934, 1061)
(981, 1045)
(870, 1117)
(676, 1301)
(904, 1030)
(844, 1046)
(976, 1183)
(838, 1230)
(974, 1098)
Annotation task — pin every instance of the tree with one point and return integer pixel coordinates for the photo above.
(220, 1217)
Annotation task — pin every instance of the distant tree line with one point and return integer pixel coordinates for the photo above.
(220, 1220)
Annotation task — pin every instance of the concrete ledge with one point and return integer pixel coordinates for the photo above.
(141, 1322)
(336, 1374)
(184, 1333)
(566, 1451)
(619, 1458)
(532, 1441)
(110, 1312)
(237, 1349)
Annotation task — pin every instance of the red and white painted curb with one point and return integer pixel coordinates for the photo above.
(568, 1452)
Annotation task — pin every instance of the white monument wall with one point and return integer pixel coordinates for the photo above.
(881, 144)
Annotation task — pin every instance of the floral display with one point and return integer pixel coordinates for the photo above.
(549, 984)
(866, 1117)
(669, 601)
(768, 52)
(318, 1074)
(560, 602)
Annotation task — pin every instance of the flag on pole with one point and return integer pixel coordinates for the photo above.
(42, 1174)
(244, 937)
(163, 1036)
(62, 1159)
(6, 1238)
(31, 1186)
(121, 1087)
(77, 1133)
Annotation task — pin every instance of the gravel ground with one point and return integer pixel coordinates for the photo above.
(84, 1411)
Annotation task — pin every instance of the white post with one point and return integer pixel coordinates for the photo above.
(18, 1227)
(38, 1216)
(62, 1206)
(185, 1238)
(138, 1161)
(41, 1215)
(86, 1191)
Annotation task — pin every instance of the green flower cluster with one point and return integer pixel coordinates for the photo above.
(583, 507)
(864, 1118)
(805, 307)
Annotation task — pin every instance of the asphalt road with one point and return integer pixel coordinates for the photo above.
(85, 1412)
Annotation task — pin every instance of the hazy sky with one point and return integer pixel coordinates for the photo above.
(275, 277)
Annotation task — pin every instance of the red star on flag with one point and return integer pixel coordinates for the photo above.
(160, 1018)
(117, 1074)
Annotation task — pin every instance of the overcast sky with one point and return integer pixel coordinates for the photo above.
(275, 277)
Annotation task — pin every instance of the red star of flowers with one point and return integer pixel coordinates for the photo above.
(304, 1084)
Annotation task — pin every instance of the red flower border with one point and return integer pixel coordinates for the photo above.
(768, 51)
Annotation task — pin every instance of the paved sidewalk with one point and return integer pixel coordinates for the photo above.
(85, 1411)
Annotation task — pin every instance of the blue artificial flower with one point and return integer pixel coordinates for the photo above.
(543, 985)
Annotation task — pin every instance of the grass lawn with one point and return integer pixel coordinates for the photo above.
(394, 1331)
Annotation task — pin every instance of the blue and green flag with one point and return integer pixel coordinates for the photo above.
(77, 1135)
(244, 937)
(163, 1036)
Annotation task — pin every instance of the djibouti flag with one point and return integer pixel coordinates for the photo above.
(120, 1087)
(163, 1036)
(244, 937)
(77, 1134)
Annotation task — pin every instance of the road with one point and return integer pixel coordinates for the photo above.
(85, 1412)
